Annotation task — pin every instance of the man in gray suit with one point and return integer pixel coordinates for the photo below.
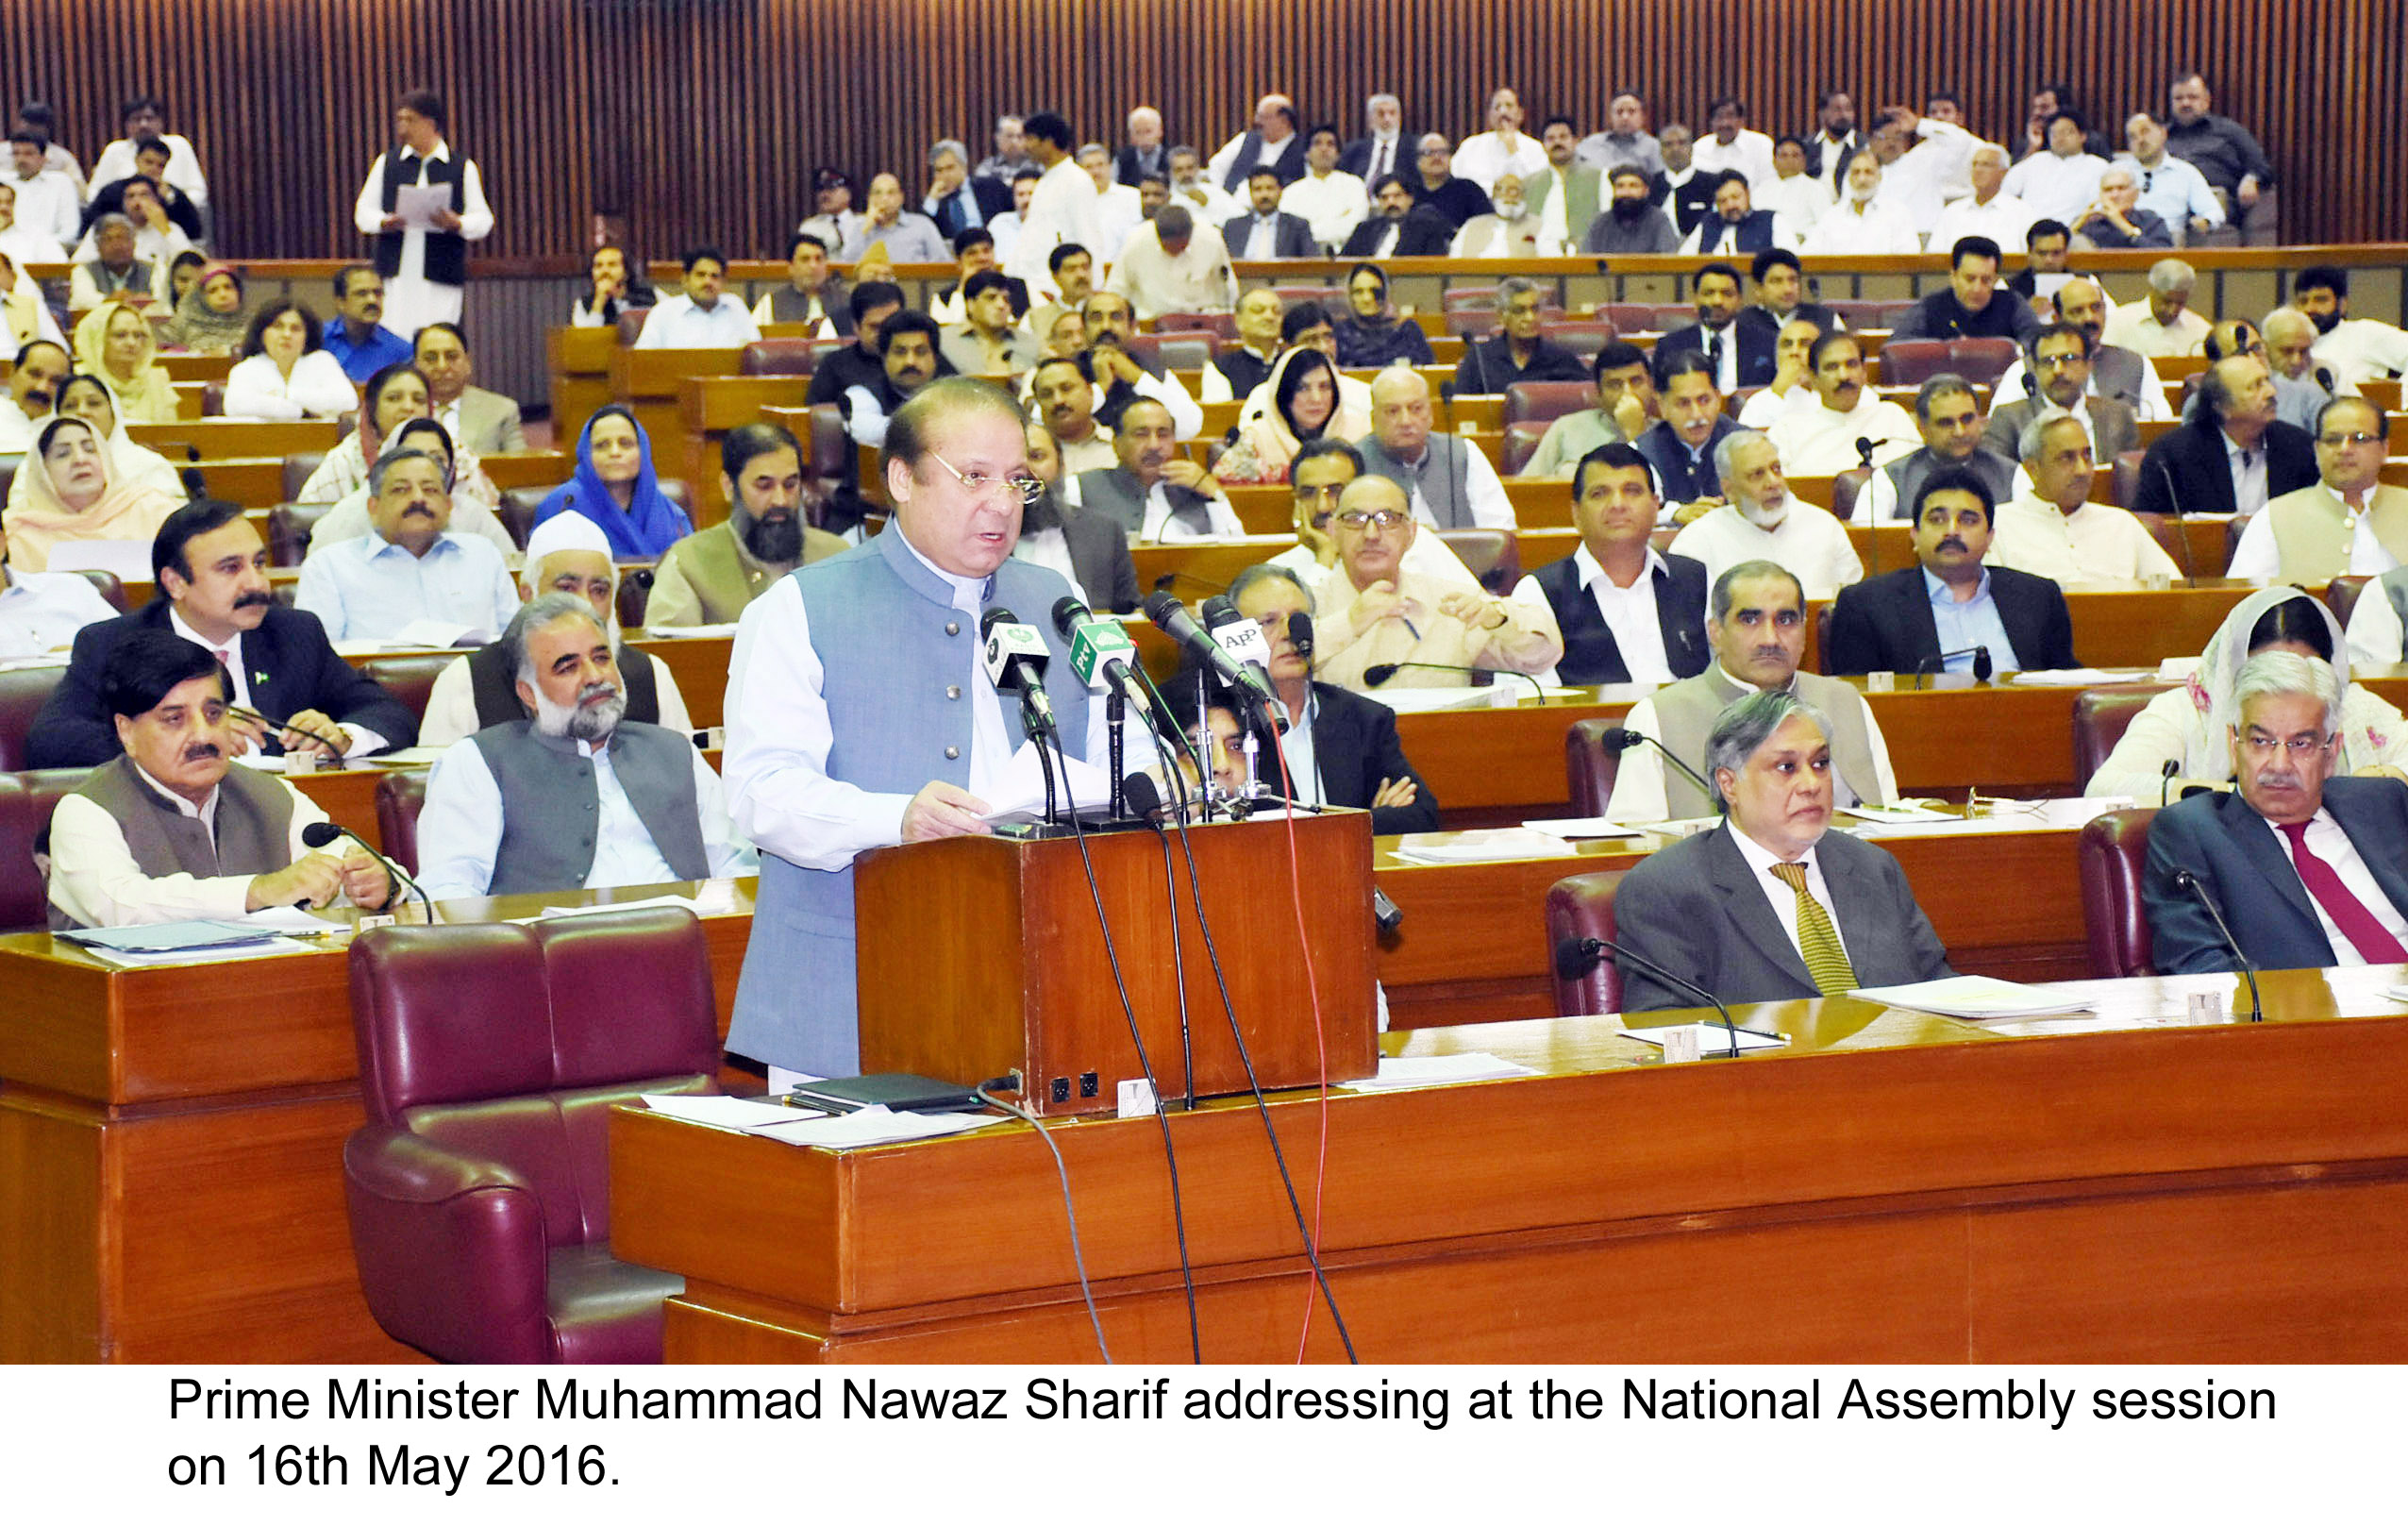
(1563, 194)
(2307, 869)
(2061, 357)
(484, 422)
(1771, 906)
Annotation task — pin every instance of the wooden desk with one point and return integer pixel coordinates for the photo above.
(579, 360)
(648, 382)
(1930, 1191)
(230, 439)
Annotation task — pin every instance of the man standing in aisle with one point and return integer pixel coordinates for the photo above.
(422, 252)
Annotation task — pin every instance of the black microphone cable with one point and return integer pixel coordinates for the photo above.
(1379, 673)
(1069, 1210)
(2188, 883)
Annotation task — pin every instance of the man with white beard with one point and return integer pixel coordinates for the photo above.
(1763, 522)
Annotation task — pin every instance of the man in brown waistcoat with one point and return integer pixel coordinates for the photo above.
(709, 578)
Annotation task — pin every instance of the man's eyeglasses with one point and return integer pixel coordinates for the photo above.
(2261, 746)
(979, 484)
(1362, 519)
(2359, 438)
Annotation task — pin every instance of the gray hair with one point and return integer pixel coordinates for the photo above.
(1173, 221)
(1370, 101)
(1743, 725)
(2171, 275)
(2035, 431)
(1938, 386)
(947, 146)
(1513, 286)
(1263, 572)
(111, 222)
(2289, 673)
(391, 458)
(1718, 602)
(2288, 317)
(1727, 451)
(534, 616)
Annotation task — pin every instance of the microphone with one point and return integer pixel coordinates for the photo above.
(1242, 639)
(1015, 661)
(325, 833)
(1301, 634)
(1865, 449)
(1982, 665)
(1576, 957)
(1173, 621)
(1618, 739)
(2188, 883)
(1101, 653)
(1379, 673)
(2174, 512)
(2173, 766)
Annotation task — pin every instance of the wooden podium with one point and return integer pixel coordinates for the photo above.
(981, 956)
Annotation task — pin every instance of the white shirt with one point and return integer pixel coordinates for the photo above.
(1388, 156)
(26, 245)
(2247, 467)
(1923, 178)
(1873, 227)
(2003, 220)
(1779, 892)
(116, 162)
(1801, 199)
(1629, 614)
(1487, 157)
(2326, 841)
(255, 388)
(1196, 279)
(1750, 152)
(1157, 526)
(2135, 327)
(1809, 541)
(1006, 229)
(411, 300)
(1332, 203)
(677, 324)
(1118, 211)
(2095, 545)
(1223, 160)
(17, 432)
(94, 880)
(1767, 408)
(1638, 786)
(779, 735)
(47, 201)
(2375, 635)
(2055, 187)
(1064, 209)
(1821, 442)
(2258, 556)
(2360, 349)
(460, 831)
(151, 248)
(1484, 493)
(451, 704)
(41, 611)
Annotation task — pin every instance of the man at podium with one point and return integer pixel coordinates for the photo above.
(859, 715)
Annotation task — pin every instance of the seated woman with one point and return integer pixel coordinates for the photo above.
(285, 372)
(115, 344)
(73, 492)
(348, 519)
(1304, 398)
(208, 316)
(1372, 334)
(2190, 726)
(183, 273)
(616, 488)
(88, 399)
(395, 395)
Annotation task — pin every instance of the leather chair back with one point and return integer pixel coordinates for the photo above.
(1581, 906)
(1480, 323)
(1845, 489)
(635, 596)
(22, 692)
(631, 325)
(779, 358)
(1521, 443)
(1583, 337)
(1910, 362)
(1856, 313)
(213, 399)
(2113, 851)
(1469, 296)
(411, 678)
(2341, 594)
(105, 583)
(401, 794)
(1190, 350)
(289, 526)
(26, 801)
(1219, 325)
(1325, 295)
(2124, 472)
(1667, 316)
(1628, 317)
(1493, 556)
(2101, 715)
(1588, 767)
(1981, 362)
(1543, 402)
(299, 466)
(1823, 639)
(517, 511)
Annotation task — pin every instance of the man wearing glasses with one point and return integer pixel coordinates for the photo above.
(859, 715)
(2347, 521)
(2305, 866)
(1318, 475)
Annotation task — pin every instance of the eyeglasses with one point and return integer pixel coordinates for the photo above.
(1362, 519)
(979, 484)
(2261, 746)
(2360, 437)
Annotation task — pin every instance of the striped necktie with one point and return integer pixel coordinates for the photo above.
(1825, 961)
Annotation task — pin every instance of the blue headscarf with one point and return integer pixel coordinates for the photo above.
(650, 523)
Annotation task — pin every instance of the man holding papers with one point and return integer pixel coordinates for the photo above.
(1771, 906)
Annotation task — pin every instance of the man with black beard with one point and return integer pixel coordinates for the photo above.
(1632, 223)
(577, 797)
(708, 578)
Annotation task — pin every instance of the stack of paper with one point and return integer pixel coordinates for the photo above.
(1894, 814)
(1485, 846)
(658, 632)
(1570, 826)
(1973, 998)
(1401, 1074)
(2079, 677)
(1424, 701)
(183, 943)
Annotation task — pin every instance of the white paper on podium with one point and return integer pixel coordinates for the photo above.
(1020, 795)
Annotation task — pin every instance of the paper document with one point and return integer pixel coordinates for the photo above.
(1896, 813)
(1488, 845)
(1424, 701)
(1569, 826)
(2079, 677)
(164, 936)
(1436, 1071)
(745, 1113)
(13, 664)
(1712, 1038)
(1973, 997)
(875, 1126)
(416, 206)
(129, 560)
(290, 919)
(699, 908)
(1020, 794)
(408, 758)
(658, 632)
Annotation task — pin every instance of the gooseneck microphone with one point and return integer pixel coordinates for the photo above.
(1576, 957)
(2165, 779)
(2189, 885)
(1982, 668)
(325, 833)
(1171, 578)
(1620, 738)
(2181, 534)
(1016, 661)
(1379, 673)
(1173, 620)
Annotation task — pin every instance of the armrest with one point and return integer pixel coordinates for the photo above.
(450, 1248)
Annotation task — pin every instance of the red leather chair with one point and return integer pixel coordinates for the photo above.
(1844, 488)
(2124, 476)
(1543, 402)
(1493, 556)
(411, 678)
(631, 325)
(1188, 350)
(635, 596)
(1468, 296)
(2101, 716)
(1823, 639)
(401, 794)
(1582, 906)
(2234, 529)
(1333, 298)
(1911, 363)
(1628, 317)
(1858, 313)
(2169, 536)
(829, 460)
(1521, 443)
(2113, 851)
(22, 692)
(1583, 337)
(779, 358)
(1889, 314)
(213, 399)
(289, 526)
(26, 801)
(1219, 325)
(299, 466)
(1671, 315)
(2341, 594)
(490, 1058)
(1589, 767)
(1981, 362)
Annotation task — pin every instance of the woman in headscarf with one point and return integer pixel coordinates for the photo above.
(1304, 406)
(348, 519)
(395, 395)
(115, 344)
(209, 317)
(2191, 727)
(616, 488)
(75, 493)
(88, 399)
(1372, 334)
(286, 372)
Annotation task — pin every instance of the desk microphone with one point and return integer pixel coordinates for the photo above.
(1379, 673)
(1245, 645)
(2188, 883)
(1615, 740)
(1015, 662)
(2165, 784)
(1981, 668)
(324, 833)
(2174, 512)
(1175, 622)
(1577, 957)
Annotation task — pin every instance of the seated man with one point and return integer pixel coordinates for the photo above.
(2353, 350)
(1743, 354)
(1171, 264)
(481, 422)
(702, 316)
(2064, 359)
(408, 568)
(578, 796)
(1763, 521)
(1154, 493)
(1317, 477)
(2347, 521)
(1772, 906)
(1091, 551)
(1112, 331)
(1237, 373)
(566, 554)
(1820, 439)
(1949, 419)
(812, 294)
(1267, 232)
(1756, 622)
(1628, 613)
(41, 611)
(910, 238)
(212, 570)
(358, 338)
(2305, 864)
(2163, 326)
(169, 829)
(2052, 529)
(974, 250)
(1792, 386)
(1930, 619)
(1063, 390)
(2232, 455)
(1623, 392)
(1971, 307)
(1517, 353)
(2301, 386)
(1680, 446)
(708, 578)
(1375, 614)
(1451, 483)
(907, 347)
(989, 343)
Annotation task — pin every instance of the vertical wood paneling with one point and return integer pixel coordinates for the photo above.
(702, 120)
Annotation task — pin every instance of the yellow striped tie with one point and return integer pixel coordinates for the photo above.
(1825, 961)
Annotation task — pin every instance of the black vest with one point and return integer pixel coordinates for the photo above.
(495, 687)
(446, 253)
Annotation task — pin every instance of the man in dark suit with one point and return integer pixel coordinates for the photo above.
(1398, 228)
(1354, 754)
(1742, 353)
(2306, 868)
(957, 199)
(1145, 153)
(1781, 292)
(1282, 235)
(1271, 114)
(2061, 356)
(2232, 438)
(1771, 906)
(1617, 583)
(212, 570)
(1892, 624)
(1970, 306)
(1387, 148)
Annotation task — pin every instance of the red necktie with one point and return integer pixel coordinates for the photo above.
(2348, 912)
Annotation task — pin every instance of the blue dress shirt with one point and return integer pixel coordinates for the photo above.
(361, 361)
(1973, 622)
(367, 589)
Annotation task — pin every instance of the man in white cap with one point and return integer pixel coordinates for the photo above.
(567, 554)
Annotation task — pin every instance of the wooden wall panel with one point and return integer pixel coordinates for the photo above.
(703, 119)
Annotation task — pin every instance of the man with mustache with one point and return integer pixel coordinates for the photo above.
(2354, 349)
(577, 797)
(410, 567)
(1064, 391)
(1154, 493)
(33, 392)
(708, 578)
(2305, 865)
(1630, 222)
(1820, 439)
(1760, 519)
(358, 337)
(168, 830)
(1930, 617)
(211, 569)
